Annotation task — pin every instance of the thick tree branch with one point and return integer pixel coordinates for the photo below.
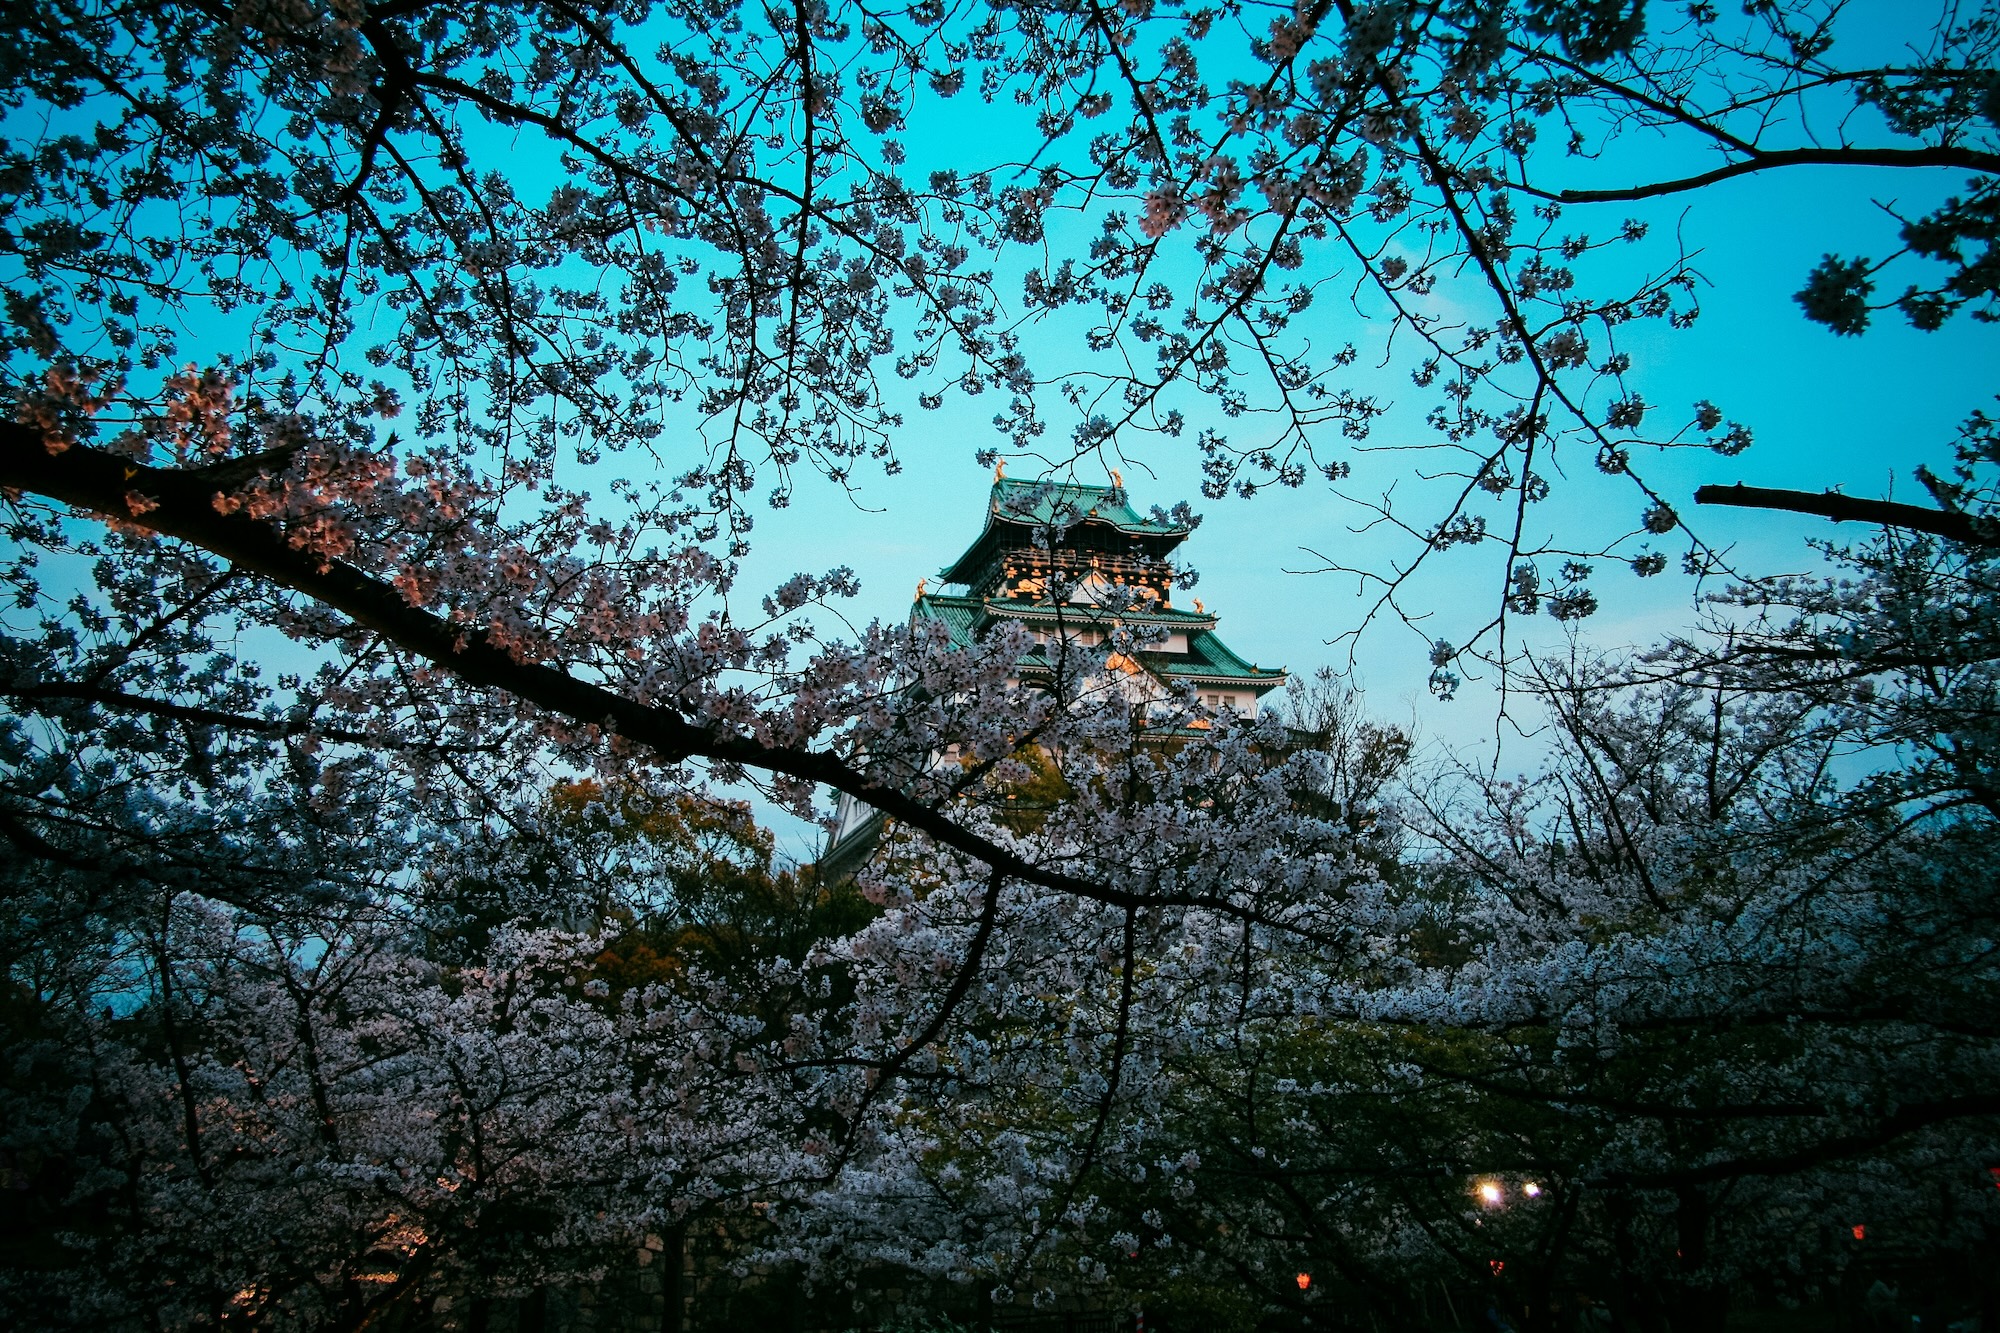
(120, 702)
(26, 840)
(1840, 508)
(1883, 1131)
(183, 507)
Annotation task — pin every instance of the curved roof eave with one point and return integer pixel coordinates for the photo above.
(1031, 504)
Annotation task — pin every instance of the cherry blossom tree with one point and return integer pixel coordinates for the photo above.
(614, 272)
(1687, 1017)
(1698, 1013)
(265, 1070)
(705, 240)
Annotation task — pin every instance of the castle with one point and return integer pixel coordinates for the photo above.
(1071, 563)
(1074, 562)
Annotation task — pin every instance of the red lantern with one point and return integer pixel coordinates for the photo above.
(1304, 1280)
(1861, 1233)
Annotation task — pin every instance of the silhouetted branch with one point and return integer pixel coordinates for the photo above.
(1840, 508)
(183, 506)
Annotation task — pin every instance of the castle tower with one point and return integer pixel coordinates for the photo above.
(1070, 564)
(1073, 563)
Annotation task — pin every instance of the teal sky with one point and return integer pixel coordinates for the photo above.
(1856, 413)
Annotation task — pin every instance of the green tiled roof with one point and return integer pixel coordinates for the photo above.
(1043, 502)
(1083, 613)
(1022, 505)
(961, 615)
(1207, 658)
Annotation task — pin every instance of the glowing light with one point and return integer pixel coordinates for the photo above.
(1497, 1266)
(1532, 1190)
(1861, 1233)
(1490, 1193)
(1305, 1280)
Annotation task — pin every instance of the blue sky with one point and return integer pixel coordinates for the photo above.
(1828, 411)
(1857, 413)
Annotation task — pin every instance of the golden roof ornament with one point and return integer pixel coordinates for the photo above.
(921, 585)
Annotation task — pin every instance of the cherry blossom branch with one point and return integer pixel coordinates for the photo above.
(1907, 1119)
(119, 701)
(180, 503)
(1966, 158)
(1114, 1078)
(27, 840)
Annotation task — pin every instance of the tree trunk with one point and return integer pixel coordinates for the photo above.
(1698, 1303)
